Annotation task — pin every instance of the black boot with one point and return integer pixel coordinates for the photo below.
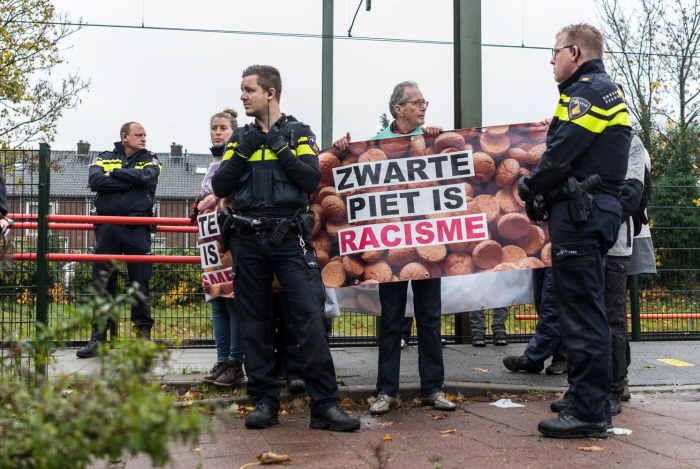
(568, 426)
(215, 372)
(560, 404)
(90, 350)
(335, 419)
(263, 416)
(142, 332)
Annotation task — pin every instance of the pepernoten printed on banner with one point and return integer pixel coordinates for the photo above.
(215, 257)
(414, 207)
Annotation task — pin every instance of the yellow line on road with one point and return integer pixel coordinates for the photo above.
(674, 362)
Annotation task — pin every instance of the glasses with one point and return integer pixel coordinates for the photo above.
(556, 50)
(419, 103)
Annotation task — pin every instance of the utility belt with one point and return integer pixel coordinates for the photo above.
(578, 194)
(246, 226)
(151, 228)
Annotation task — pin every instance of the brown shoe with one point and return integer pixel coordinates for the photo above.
(557, 367)
(232, 375)
(215, 372)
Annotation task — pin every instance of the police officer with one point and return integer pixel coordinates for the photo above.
(589, 135)
(271, 166)
(125, 181)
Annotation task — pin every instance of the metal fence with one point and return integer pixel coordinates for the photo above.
(665, 305)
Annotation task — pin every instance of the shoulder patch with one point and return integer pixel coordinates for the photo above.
(155, 159)
(578, 107)
(313, 145)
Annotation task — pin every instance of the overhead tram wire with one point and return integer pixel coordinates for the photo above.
(309, 36)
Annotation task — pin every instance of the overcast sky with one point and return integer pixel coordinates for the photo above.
(172, 82)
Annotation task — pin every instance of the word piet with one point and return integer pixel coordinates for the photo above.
(414, 233)
(404, 171)
(406, 203)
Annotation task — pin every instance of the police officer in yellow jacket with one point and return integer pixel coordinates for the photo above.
(271, 166)
(578, 185)
(125, 181)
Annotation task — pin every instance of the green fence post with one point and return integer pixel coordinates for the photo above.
(634, 304)
(42, 265)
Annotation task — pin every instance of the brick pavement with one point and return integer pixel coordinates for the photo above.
(665, 434)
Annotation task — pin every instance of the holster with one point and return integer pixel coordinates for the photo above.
(580, 200)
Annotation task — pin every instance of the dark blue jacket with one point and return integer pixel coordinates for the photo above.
(131, 186)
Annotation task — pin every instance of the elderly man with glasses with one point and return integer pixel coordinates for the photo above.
(408, 108)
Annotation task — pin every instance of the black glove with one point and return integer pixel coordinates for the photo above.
(524, 191)
(274, 139)
(251, 141)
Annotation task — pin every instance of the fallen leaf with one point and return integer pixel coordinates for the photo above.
(67, 392)
(450, 397)
(678, 384)
(590, 448)
(388, 438)
(187, 403)
(480, 369)
(273, 458)
(649, 366)
(205, 411)
(448, 431)
(197, 449)
(385, 424)
(234, 407)
(439, 416)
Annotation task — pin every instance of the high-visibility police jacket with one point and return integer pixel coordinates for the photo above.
(131, 186)
(269, 184)
(590, 133)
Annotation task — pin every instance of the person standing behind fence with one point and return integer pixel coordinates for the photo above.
(408, 108)
(125, 181)
(228, 369)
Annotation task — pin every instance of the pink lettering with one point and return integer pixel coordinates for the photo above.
(347, 241)
(445, 234)
(368, 239)
(424, 233)
(385, 236)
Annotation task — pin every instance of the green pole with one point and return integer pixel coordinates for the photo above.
(327, 76)
(467, 63)
(467, 94)
(634, 304)
(42, 265)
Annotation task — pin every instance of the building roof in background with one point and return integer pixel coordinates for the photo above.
(179, 178)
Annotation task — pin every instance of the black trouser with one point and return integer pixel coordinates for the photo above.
(287, 353)
(256, 260)
(616, 268)
(132, 240)
(547, 339)
(578, 258)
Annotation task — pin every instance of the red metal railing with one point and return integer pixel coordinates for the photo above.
(83, 222)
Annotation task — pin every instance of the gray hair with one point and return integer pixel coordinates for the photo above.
(399, 95)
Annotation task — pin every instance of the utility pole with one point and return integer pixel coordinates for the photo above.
(327, 76)
(467, 63)
(467, 94)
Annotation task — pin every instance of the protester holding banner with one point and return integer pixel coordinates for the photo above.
(587, 148)
(271, 166)
(228, 368)
(408, 108)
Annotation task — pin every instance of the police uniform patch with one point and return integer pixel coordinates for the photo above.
(578, 107)
(313, 145)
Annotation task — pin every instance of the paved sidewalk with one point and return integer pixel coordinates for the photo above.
(664, 416)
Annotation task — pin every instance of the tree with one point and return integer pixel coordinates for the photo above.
(384, 120)
(655, 53)
(31, 33)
